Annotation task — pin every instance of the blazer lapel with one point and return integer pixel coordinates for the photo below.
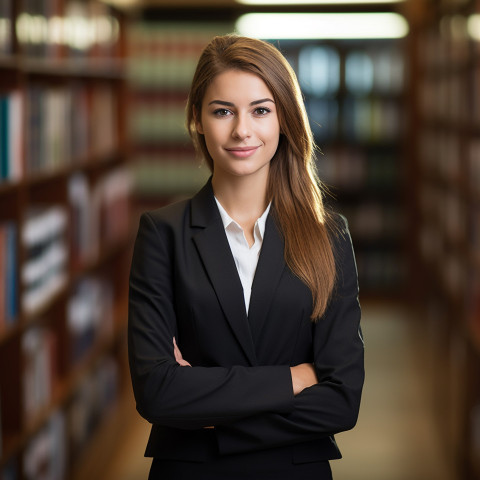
(214, 250)
(271, 264)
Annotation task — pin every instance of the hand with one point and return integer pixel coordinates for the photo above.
(303, 376)
(178, 355)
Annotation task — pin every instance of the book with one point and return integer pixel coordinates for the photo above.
(8, 275)
(48, 134)
(45, 270)
(111, 206)
(93, 398)
(89, 315)
(69, 124)
(82, 244)
(46, 455)
(39, 353)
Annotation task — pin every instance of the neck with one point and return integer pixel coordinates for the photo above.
(244, 198)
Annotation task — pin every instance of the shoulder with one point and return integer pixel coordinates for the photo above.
(172, 214)
(162, 225)
(197, 211)
(337, 227)
(340, 239)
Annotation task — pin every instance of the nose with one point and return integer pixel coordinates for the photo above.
(241, 128)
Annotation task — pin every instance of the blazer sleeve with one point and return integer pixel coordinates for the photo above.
(332, 405)
(165, 392)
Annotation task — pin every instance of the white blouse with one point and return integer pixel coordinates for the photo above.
(246, 258)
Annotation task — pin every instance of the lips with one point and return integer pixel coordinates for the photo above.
(242, 152)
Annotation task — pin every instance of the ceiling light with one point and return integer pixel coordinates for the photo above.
(276, 26)
(473, 26)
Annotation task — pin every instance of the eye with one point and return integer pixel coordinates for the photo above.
(261, 111)
(221, 112)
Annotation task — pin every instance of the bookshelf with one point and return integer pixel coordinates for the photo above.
(354, 94)
(65, 232)
(162, 60)
(446, 39)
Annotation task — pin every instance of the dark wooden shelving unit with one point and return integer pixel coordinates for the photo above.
(445, 118)
(85, 87)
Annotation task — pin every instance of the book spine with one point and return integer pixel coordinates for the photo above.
(4, 137)
(15, 159)
(44, 272)
(3, 277)
(11, 275)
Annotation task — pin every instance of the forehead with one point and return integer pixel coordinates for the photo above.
(237, 86)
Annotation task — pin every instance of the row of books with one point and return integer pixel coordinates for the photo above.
(92, 400)
(89, 318)
(46, 454)
(446, 98)
(320, 71)
(376, 222)
(164, 55)
(53, 450)
(69, 123)
(446, 209)
(380, 271)
(169, 175)
(158, 121)
(82, 29)
(11, 135)
(8, 275)
(45, 270)
(451, 47)
(441, 153)
(449, 265)
(356, 119)
(89, 315)
(99, 213)
(351, 169)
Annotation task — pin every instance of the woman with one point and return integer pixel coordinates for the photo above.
(244, 339)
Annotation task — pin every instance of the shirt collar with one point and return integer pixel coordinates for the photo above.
(227, 220)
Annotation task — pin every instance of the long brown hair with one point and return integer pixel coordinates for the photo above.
(293, 185)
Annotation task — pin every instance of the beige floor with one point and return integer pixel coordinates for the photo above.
(395, 438)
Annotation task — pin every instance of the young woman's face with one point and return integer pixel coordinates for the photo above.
(240, 124)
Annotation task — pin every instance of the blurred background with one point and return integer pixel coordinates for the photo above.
(92, 101)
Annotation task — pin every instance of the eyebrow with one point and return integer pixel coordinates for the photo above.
(230, 104)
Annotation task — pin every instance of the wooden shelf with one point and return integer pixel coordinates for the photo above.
(109, 69)
(449, 69)
(61, 104)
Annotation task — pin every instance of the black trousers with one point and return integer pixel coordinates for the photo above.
(262, 465)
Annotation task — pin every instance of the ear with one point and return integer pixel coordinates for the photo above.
(198, 123)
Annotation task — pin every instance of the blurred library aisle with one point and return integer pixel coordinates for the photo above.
(396, 437)
(92, 113)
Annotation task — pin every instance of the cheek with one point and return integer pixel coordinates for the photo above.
(271, 132)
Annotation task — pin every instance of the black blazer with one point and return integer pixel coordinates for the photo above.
(184, 283)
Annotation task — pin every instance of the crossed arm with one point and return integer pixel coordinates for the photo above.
(303, 375)
(265, 405)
